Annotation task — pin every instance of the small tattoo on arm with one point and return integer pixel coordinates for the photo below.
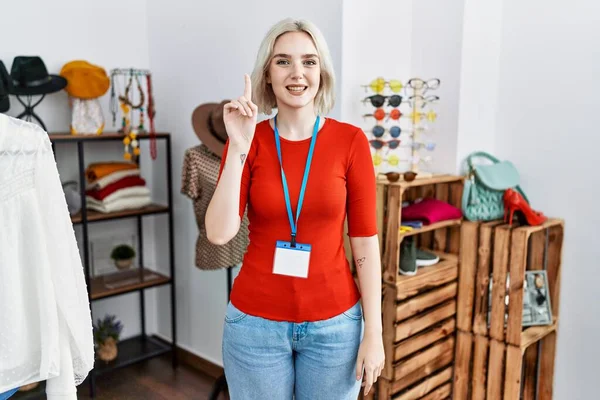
(242, 158)
(360, 262)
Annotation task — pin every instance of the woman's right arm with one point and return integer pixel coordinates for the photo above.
(222, 218)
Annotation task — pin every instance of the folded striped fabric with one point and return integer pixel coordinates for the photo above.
(127, 182)
(118, 204)
(134, 191)
(96, 171)
(112, 178)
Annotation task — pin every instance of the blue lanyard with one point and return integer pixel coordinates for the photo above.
(286, 193)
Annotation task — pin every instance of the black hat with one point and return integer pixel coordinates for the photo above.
(30, 77)
(5, 85)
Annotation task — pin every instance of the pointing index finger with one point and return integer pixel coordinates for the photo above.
(248, 88)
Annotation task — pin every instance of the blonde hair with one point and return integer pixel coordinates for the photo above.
(262, 92)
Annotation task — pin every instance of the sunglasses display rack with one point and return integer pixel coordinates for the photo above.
(402, 112)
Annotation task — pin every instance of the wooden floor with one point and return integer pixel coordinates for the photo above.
(150, 380)
(154, 379)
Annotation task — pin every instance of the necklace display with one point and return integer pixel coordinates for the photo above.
(128, 104)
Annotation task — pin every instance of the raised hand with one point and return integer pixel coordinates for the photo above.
(240, 118)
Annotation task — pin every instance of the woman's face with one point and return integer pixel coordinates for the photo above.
(295, 70)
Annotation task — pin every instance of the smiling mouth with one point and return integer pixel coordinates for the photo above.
(296, 89)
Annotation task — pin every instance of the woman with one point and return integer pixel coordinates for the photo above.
(294, 325)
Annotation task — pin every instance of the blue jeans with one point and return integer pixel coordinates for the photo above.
(275, 360)
(6, 395)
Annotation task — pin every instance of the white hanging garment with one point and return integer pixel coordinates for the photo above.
(45, 318)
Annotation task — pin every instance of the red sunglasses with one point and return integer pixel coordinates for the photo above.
(378, 143)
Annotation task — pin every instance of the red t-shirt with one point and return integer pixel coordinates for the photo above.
(341, 180)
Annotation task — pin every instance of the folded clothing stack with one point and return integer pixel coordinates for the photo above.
(115, 186)
(429, 211)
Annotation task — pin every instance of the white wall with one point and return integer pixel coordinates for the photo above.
(436, 43)
(547, 115)
(534, 85)
(199, 54)
(61, 31)
(479, 73)
(403, 39)
(374, 44)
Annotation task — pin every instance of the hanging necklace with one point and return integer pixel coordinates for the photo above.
(151, 114)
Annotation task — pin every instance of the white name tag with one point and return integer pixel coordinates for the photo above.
(291, 261)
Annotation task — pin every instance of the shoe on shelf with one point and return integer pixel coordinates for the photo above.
(425, 258)
(513, 201)
(408, 257)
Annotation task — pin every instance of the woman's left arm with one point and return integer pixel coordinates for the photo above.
(371, 355)
(361, 205)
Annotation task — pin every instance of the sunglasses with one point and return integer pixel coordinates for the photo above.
(395, 131)
(380, 114)
(416, 116)
(378, 100)
(418, 83)
(416, 159)
(392, 160)
(378, 85)
(378, 143)
(408, 176)
(424, 100)
(429, 146)
(378, 131)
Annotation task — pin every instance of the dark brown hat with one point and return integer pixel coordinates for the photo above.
(30, 77)
(207, 121)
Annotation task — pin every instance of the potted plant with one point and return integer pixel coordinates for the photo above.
(123, 256)
(106, 336)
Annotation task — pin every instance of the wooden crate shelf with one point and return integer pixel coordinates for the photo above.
(496, 356)
(446, 270)
(419, 312)
(427, 228)
(424, 339)
(442, 236)
(534, 334)
(421, 374)
(486, 368)
(503, 253)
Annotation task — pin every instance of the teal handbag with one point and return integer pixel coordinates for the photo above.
(484, 189)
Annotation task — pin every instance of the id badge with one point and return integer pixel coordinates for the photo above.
(291, 261)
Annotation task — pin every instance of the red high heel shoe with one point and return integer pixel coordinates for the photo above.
(513, 201)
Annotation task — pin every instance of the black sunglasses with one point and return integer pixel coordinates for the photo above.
(378, 100)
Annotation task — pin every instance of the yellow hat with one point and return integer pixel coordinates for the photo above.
(84, 80)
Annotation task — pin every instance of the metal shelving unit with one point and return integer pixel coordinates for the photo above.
(142, 347)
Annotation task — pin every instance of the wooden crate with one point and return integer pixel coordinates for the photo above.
(489, 369)
(442, 236)
(498, 250)
(419, 312)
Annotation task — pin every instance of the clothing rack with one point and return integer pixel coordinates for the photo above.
(220, 385)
